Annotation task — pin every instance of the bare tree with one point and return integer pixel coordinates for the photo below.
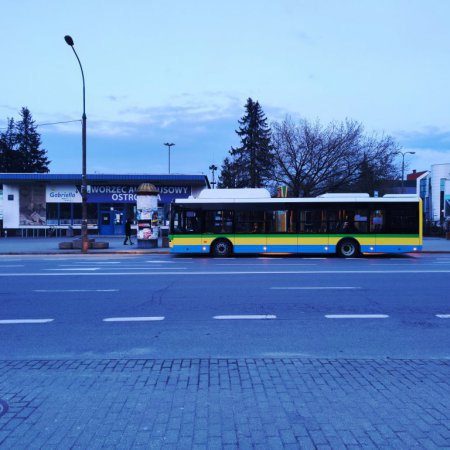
(312, 159)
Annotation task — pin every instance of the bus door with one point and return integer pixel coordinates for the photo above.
(186, 231)
(281, 233)
(250, 231)
(313, 235)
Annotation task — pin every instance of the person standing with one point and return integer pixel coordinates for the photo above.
(128, 232)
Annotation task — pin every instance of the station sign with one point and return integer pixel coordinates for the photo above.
(128, 194)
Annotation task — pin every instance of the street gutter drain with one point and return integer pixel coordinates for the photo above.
(3, 407)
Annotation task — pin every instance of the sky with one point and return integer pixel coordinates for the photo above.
(181, 72)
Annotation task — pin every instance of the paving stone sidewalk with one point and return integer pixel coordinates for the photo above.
(225, 404)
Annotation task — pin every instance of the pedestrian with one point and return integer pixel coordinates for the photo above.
(128, 232)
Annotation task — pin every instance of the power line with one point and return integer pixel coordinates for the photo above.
(57, 123)
(49, 123)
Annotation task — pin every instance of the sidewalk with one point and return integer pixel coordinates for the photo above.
(49, 245)
(246, 404)
(30, 246)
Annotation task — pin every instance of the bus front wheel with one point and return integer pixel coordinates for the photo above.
(222, 248)
(348, 248)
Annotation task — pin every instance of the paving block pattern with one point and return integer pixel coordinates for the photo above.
(225, 404)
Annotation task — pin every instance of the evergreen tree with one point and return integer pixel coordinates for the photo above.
(31, 157)
(251, 163)
(228, 176)
(9, 161)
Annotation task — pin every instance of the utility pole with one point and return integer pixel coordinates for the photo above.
(403, 166)
(168, 146)
(84, 229)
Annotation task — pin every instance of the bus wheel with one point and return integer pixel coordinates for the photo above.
(222, 248)
(348, 248)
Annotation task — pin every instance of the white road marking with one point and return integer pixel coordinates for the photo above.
(76, 268)
(93, 262)
(19, 321)
(76, 290)
(268, 257)
(165, 262)
(443, 316)
(126, 268)
(246, 316)
(356, 316)
(232, 272)
(314, 287)
(273, 265)
(134, 319)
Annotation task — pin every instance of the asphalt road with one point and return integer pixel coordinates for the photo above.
(161, 306)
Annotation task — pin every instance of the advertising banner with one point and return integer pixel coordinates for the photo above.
(127, 194)
(62, 194)
(32, 205)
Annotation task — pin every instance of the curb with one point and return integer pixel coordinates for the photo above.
(150, 252)
(91, 252)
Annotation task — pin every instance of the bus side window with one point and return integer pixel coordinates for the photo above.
(377, 221)
(192, 224)
(218, 221)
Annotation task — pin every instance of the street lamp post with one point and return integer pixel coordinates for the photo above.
(403, 166)
(84, 230)
(213, 168)
(168, 146)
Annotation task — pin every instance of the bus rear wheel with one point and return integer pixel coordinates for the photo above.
(222, 248)
(348, 248)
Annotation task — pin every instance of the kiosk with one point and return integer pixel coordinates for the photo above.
(147, 216)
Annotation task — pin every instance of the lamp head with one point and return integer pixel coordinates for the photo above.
(68, 40)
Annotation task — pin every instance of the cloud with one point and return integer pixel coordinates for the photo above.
(209, 106)
(430, 138)
(430, 146)
(182, 112)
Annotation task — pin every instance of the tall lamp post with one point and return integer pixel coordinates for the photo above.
(84, 231)
(168, 146)
(403, 165)
(213, 168)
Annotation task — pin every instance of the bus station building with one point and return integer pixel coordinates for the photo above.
(33, 203)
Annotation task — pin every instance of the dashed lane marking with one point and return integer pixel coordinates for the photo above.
(311, 288)
(76, 268)
(134, 319)
(24, 321)
(76, 290)
(273, 265)
(246, 316)
(443, 316)
(168, 262)
(356, 316)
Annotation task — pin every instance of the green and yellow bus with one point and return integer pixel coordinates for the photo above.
(223, 222)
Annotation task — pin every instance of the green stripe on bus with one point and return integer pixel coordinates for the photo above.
(287, 235)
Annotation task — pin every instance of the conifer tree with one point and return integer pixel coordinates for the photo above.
(9, 161)
(228, 175)
(251, 163)
(32, 158)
